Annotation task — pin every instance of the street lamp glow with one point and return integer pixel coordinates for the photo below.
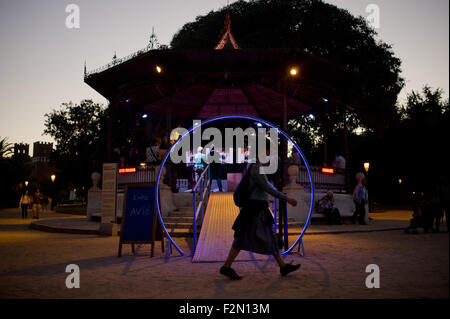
(26, 183)
(53, 177)
(158, 69)
(366, 166)
(400, 181)
(293, 71)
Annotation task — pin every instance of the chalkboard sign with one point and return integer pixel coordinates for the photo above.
(140, 224)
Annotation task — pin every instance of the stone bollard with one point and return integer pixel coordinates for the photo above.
(166, 196)
(94, 198)
(296, 191)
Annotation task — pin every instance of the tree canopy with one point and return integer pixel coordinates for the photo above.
(318, 28)
(80, 135)
(6, 148)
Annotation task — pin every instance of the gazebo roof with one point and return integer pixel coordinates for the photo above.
(205, 83)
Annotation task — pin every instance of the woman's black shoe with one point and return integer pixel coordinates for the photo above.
(288, 268)
(230, 273)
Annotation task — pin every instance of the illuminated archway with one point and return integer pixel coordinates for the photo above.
(219, 118)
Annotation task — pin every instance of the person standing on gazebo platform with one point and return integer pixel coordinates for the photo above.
(200, 163)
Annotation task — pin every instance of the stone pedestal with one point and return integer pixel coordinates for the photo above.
(109, 195)
(166, 196)
(296, 191)
(108, 229)
(94, 203)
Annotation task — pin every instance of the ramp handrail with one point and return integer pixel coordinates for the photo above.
(203, 186)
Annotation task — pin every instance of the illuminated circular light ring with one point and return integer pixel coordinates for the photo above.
(237, 117)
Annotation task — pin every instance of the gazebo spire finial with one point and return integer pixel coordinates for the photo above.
(227, 41)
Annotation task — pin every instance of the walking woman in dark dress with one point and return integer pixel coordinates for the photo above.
(253, 228)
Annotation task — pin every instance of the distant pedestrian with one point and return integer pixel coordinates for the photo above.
(427, 212)
(443, 193)
(437, 213)
(45, 203)
(360, 200)
(417, 221)
(50, 203)
(24, 203)
(37, 200)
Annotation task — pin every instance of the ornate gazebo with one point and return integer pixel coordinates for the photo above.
(180, 85)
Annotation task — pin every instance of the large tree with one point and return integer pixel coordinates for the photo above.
(412, 148)
(15, 170)
(421, 144)
(318, 28)
(80, 135)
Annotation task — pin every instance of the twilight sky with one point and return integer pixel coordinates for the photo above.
(41, 61)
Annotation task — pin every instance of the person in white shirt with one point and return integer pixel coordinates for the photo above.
(24, 203)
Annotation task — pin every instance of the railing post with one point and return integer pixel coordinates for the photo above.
(202, 189)
(194, 224)
(286, 234)
(280, 220)
(275, 214)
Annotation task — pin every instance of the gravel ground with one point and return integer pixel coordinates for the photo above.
(33, 265)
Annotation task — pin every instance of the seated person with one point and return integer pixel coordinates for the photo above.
(325, 205)
(422, 217)
(416, 222)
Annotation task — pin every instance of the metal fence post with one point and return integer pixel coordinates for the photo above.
(194, 224)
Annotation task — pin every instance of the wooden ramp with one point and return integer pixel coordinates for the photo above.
(216, 235)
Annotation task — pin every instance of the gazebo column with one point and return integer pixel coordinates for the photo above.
(324, 122)
(109, 139)
(110, 123)
(347, 157)
(170, 171)
(284, 171)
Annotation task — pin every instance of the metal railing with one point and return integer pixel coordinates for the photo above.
(117, 61)
(203, 186)
(323, 181)
(140, 176)
(282, 224)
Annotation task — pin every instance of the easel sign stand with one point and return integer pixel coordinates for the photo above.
(140, 225)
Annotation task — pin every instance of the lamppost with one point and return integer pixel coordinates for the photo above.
(293, 72)
(366, 168)
(53, 177)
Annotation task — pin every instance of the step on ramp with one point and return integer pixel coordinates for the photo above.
(216, 235)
